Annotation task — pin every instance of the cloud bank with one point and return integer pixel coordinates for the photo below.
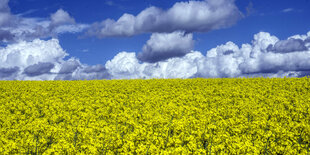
(266, 56)
(192, 16)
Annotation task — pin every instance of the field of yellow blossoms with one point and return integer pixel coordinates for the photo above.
(175, 116)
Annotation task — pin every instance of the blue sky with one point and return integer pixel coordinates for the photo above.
(279, 18)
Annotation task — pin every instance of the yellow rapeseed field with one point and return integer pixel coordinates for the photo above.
(174, 116)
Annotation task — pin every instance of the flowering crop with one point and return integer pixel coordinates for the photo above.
(175, 116)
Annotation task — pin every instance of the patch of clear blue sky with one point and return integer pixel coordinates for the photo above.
(266, 15)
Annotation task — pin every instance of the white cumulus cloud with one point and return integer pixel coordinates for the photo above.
(162, 46)
(191, 16)
(265, 56)
(44, 60)
(61, 17)
(126, 65)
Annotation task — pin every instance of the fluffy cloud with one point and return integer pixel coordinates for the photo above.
(23, 53)
(162, 46)
(61, 17)
(266, 56)
(62, 22)
(33, 59)
(44, 60)
(192, 16)
(125, 65)
(17, 28)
